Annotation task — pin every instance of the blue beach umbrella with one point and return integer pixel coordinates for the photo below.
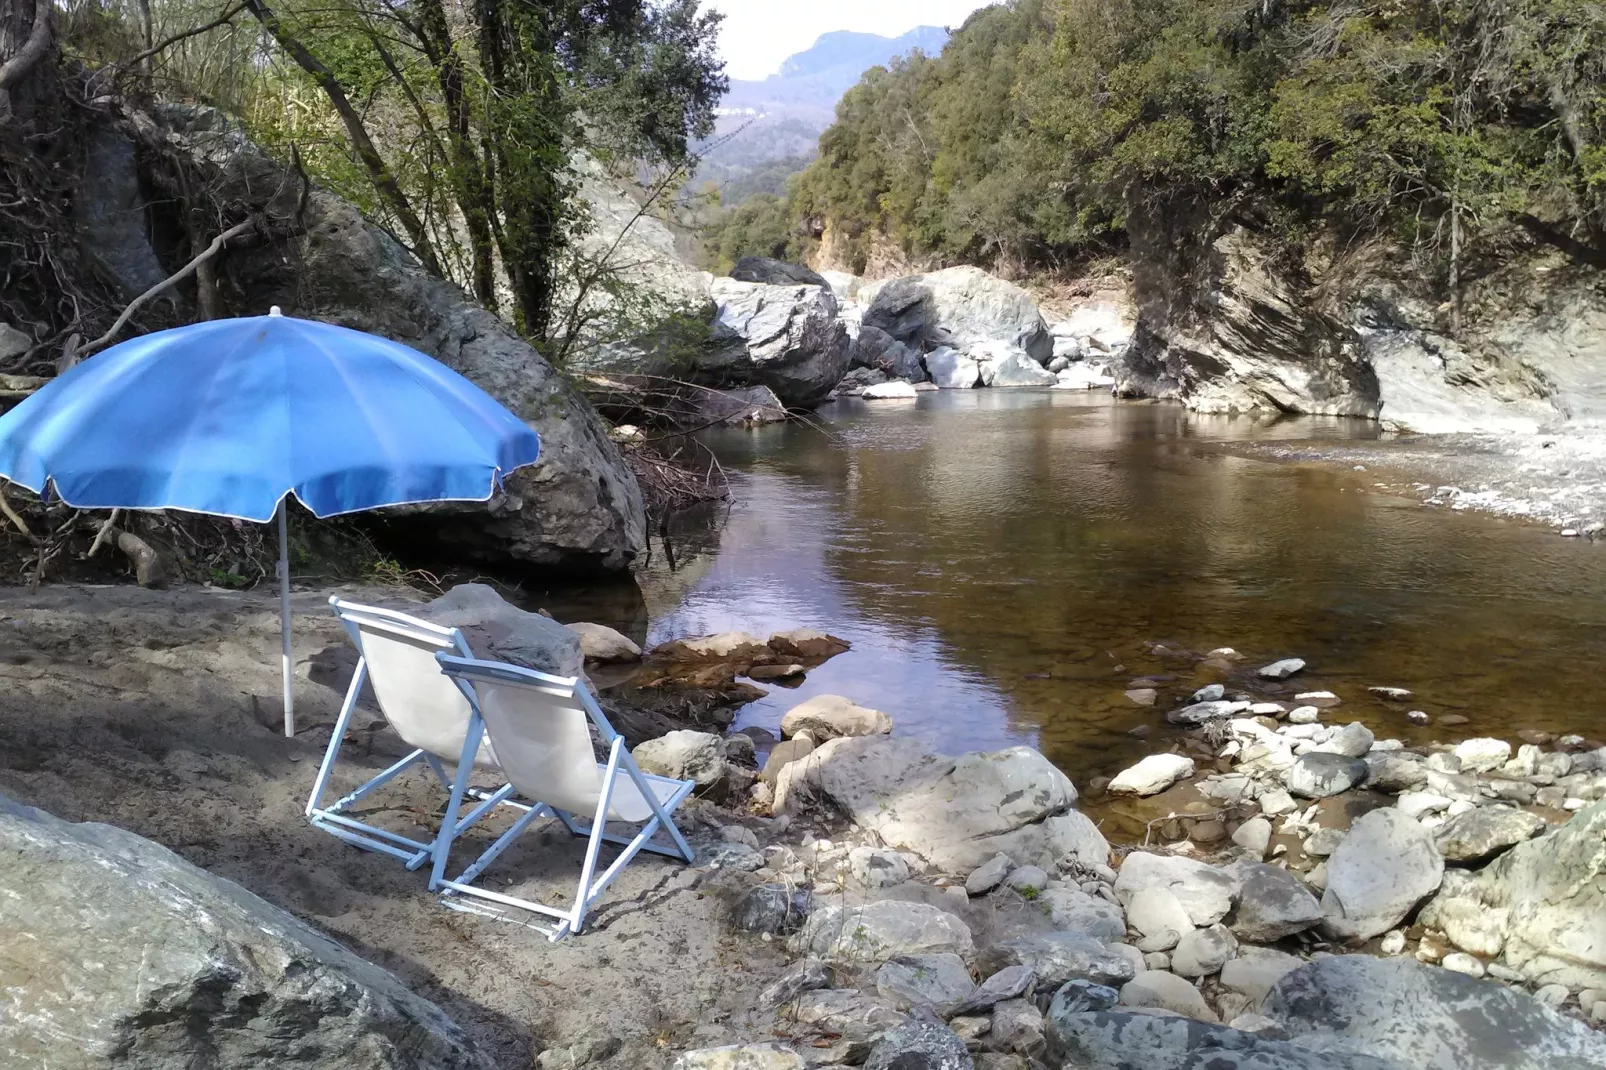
(231, 417)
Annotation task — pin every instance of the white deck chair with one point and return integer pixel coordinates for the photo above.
(429, 712)
(538, 725)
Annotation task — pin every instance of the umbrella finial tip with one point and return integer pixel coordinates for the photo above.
(275, 311)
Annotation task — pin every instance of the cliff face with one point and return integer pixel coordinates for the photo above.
(1232, 320)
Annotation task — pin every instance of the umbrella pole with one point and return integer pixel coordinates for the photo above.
(284, 619)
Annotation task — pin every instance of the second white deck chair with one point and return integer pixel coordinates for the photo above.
(429, 712)
(539, 728)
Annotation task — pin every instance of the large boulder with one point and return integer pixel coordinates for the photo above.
(956, 813)
(1542, 903)
(1422, 1018)
(1377, 876)
(883, 930)
(1003, 364)
(875, 348)
(1115, 1040)
(773, 272)
(952, 370)
(579, 505)
(787, 338)
(1058, 958)
(500, 631)
(960, 305)
(118, 953)
(1272, 903)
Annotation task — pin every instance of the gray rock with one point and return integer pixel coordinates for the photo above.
(1057, 958)
(729, 854)
(685, 754)
(1008, 983)
(989, 875)
(1415, 1016)
(787, 338)
(1017, 1026)
(499, 631)
(1080, 997)
(773, 272)
(880, 931)
(924, 981)
(952, 370)
(1478, 835)
(1166, 991)
(1272, 903)
(955, 813)
(598, 642)
(876, 349)
(1281, 670)
(1027, 880)
(1203, 952)
(741, 1057)
(1395, 773)
(1482, 755)
(1073, 910)
(1113, 1040)
(1204, 712)
(1318, 775)
(181, 968)
(1257, 971)
(875, 867)
(1210, 693)
(830, 716)
(957, 305)
(1352, 741)
(771, 908)
(782, 755)
(1543, 903)
(738, 406)
(1383, 869)
(1254, 836)
(921, 1043)
(1324, 841)
(1205, 892)
(803, 977)
(855, 1018)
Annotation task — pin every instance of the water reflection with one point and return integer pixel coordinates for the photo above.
(1003, 561)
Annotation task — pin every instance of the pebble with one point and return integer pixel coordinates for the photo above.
(1393, 943)
(1552, 996)
(1210, 693)
(1418, 717)
(1304, 715)
(1027, 880)
(1461, 962)
(1453, 719)
(1143, 696)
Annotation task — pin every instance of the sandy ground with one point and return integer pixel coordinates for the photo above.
(1556, 480)
(158, 712)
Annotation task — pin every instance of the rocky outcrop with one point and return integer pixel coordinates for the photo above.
(773, 272)
(1541, 906)
(1234, 319)
(787, 338)
(121, 954)
(579, 506)
(957, 306)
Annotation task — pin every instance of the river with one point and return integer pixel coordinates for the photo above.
(1005, 563)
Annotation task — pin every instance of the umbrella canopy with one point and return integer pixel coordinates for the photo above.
(230, 417)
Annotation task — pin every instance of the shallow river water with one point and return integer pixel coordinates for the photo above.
(1005, 562)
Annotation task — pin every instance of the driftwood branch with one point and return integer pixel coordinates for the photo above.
(107, 530)
(149, 569)
(11, 515)
(17, 387)
(172, 280)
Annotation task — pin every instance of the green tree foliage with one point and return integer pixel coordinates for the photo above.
(759, 226)
(1045, 125)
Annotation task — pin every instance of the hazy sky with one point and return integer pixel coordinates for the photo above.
(758, 34)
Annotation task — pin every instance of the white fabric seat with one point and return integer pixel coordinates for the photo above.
(540, 728)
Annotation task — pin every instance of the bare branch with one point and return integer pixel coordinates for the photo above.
(222, 20)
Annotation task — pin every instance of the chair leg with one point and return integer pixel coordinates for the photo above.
(341, 722)
(465, 768)
(598, 830)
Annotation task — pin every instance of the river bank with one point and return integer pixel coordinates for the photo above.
(851, 886)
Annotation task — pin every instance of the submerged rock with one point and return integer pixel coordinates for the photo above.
(1281, 670)
(137, 958)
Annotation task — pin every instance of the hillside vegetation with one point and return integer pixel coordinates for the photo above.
(1046, 125)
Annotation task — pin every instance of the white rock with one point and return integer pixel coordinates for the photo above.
(897, 390)
(1393, 942)
(875, 867)
(1157, 960)
(1254, 836)
(1420, 803)
(1282, 670)
(684, 755)
(1256, 970)
(1552, 996)
(1304, 715)
(1004, 364)
(1203, 952)
(1461, 962)
(1277, 802)
(1482, 755)
(1152, 775)
(1205, 892)
(951, 370)
(1352, 741)
(1268, 709)
(1027, 880)
(1085, 376)
(832, 716)
(880, 931)
(598, 642)
(1154, 911)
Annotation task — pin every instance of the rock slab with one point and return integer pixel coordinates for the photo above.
(118, 953)
(1383, 869)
